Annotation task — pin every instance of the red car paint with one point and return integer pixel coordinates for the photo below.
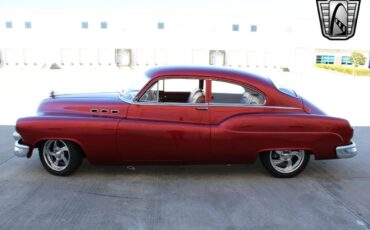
(111, 131)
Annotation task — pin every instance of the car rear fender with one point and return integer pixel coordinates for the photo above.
(256, 133)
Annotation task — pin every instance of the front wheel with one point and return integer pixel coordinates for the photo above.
(60, 157)
(285, 163)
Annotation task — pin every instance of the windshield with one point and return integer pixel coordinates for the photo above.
(133, 84)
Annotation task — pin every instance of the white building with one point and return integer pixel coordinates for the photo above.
(120, 38)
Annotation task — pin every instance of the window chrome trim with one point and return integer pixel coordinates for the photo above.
(208, 104)
(170, 103)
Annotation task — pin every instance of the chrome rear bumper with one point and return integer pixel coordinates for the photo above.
(20, 150)
(347, 151)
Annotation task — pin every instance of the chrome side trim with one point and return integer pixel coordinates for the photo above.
(215, 105)
(170, 104)
(21, 150)
(346, 151)
(250, 106)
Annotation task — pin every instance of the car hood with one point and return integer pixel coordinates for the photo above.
(83, 104)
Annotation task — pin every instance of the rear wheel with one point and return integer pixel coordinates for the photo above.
(285, 163)
(60, 157)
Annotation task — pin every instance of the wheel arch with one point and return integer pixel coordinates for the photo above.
(39, 143)
(308, 150)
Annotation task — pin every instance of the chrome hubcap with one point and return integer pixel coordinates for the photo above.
(286, 161)
(56, 154)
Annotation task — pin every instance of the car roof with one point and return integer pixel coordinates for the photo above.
(219, 73)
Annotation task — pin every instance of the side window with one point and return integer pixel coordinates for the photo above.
(176, 90)
(230, 93)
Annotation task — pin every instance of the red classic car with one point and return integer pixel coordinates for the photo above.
(185, 115)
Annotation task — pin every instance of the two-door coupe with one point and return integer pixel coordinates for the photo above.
(184, 115)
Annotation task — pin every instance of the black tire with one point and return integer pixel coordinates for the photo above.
(300, 159)
(52, 160)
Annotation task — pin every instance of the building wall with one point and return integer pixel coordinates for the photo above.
(72, 39)
(339, 54)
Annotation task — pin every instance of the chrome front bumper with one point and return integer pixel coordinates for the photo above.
(20, 150)
(347, 151)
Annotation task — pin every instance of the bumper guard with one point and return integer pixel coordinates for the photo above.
(20, 150)
(347, 151)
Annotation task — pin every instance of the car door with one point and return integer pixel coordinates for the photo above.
(232, 108)
(168, 123)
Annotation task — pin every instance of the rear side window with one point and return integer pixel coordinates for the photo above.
(231, 93)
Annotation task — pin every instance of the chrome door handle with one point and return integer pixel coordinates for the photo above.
(201, 108)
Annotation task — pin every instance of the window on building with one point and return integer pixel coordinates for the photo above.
(84, 25)
(235, 27)
(9, 25)
(346, 61)
(103, 25)
(217, 57)
(123, 57)
(160, 25)
(28, 25)
(325, 59)
(253, 28)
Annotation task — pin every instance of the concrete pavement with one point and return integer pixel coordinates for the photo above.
(333, 194)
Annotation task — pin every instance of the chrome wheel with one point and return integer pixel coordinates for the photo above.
(56, 154)
(286, 161)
